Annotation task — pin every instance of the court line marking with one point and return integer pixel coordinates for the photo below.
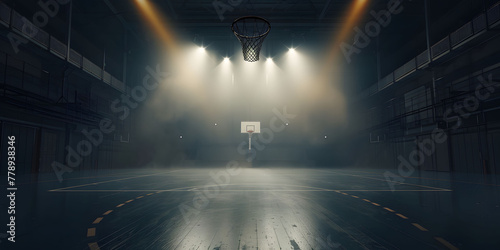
(376, 204)
(446, 243)
(94, 246)
(441, 240)
(98, 220)
(402, 216)
(91, 232)
(420, 227)
(402, 183)
(101, 182)
(390, 210)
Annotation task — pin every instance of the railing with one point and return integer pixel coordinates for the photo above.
(405, 70)
(58, 48)
(386, 81)
(17, 21)
(494, 14)
(5, 14)
(422, 59)
(75, 58)
(118, 84)
(479, 24)
(441, 47)
(91, 68)
(29, 30)
(23, 26)
(106, 77)
(461, 34)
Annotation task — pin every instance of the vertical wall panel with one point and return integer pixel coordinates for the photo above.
(465, 153)
(494, 148)
(442, 157)
(428, 164)
(51, 149)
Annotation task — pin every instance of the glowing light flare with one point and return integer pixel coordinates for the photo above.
(298, 66)
(352, 18)
(158, 23)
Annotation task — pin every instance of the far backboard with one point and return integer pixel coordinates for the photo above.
(246, 127)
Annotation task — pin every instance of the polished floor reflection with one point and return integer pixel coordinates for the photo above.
(256, 208)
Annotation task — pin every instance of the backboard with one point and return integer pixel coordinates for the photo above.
(250, 127)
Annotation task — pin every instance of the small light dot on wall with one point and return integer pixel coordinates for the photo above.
(180, 137)
(326, 136)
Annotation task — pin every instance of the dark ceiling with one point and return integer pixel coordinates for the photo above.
(103, 25)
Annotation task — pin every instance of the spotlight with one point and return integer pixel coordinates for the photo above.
(201, 49)
(291, 49)
(269, 59)
(226, 59)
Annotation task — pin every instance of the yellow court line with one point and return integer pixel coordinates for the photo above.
(446, 243)
(108, 212)
(97, 220)
(94, 246)
(388, 209)
(344, 194)
(120, 205)
(91, 232)
(420, 227)
(376, 204)
(402, 216)
(354, 196)
(139, 197)
(149, 194)
(129, 201)
(367, 200)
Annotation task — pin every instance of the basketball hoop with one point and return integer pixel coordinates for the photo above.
(251, 32)
(250, 128)
(250, 139)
